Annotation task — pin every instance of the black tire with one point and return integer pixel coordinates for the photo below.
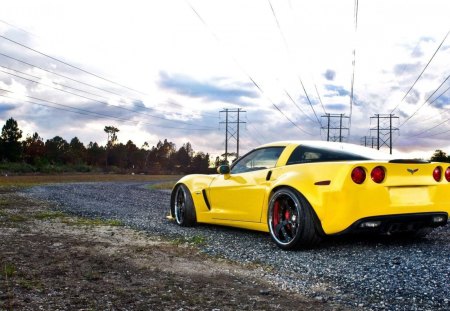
(292, 221)
(182, 206)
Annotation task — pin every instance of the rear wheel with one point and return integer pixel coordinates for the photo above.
(182, 206)
(292, 221)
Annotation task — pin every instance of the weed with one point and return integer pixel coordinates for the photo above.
(17, 218)
(195, 240)
(47, 215)
(9, 270)
(162, 186)
(31, 284)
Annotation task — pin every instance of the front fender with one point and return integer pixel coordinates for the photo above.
(196, 185)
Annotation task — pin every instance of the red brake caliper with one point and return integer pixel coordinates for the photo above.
(276, 215)
(287, 216)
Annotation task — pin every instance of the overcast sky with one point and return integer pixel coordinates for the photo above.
(165, 69)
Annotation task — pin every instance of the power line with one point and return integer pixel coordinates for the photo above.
(289, 54)
(320, 99)
(98, 101)
(420, 75)
(93, 86)
(70, 65)
(421, 106)
(356, 8)
(242, 69)
(69, 108)
(64, 76)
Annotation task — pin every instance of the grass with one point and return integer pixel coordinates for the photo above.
(197, 240)
(9, 270)
(47, 215)
(168, 185)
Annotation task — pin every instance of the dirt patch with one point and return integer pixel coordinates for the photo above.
(51, 261)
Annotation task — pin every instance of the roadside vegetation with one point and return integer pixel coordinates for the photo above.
(19, 155)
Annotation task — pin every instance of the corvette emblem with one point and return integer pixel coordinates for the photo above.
(412, 171)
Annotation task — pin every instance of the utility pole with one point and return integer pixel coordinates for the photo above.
(368, 141)
(232, 128)
(335, 127)
(384, 130)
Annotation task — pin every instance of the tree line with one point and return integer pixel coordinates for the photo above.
(33, 154)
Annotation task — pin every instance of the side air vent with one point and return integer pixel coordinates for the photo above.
(205, 197)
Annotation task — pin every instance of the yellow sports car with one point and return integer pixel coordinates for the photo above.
(300, 192)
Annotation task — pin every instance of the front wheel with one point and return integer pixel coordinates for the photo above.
(292, 221)
(182, 206)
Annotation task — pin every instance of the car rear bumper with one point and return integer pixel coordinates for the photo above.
(391, 224)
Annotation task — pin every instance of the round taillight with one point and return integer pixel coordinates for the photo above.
(447, 174)
(358, 175)
(378, 174)
(437, 173)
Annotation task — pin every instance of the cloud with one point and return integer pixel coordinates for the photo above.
(329, 74)
(413, 97)
(336, 91)
(188, 86)
(401, 69)
(339, 107)
(442, 102)
(5, 108)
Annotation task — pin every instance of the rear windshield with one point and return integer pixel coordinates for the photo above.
(305, 154)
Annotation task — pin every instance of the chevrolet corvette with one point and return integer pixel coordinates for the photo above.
(300, 192)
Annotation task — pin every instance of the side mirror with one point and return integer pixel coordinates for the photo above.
(223, 169)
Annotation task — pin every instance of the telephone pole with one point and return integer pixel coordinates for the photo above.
(232, 128)
(335, 126)
(384, 130)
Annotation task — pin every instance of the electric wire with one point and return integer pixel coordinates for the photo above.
(243, 70)
(91, 113)
(101, 102)
(320, 99)
(426, 101)
(72, 66)
(420, 75)
(356, 9)
(289, 54)
(64, 76)
(437, 125)
(136, 101)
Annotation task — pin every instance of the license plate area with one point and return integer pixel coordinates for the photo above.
(409, 195)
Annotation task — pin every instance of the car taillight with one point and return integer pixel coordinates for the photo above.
(358, 175)
(447, 174)
(378, 174)
(437, 173)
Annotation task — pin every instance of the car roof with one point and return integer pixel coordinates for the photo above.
(352, 148)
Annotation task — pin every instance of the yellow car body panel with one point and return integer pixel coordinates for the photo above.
(242, 200)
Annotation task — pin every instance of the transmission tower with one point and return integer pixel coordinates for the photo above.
(232, 123)
(369, 141)
(384, 130)
(335, 127)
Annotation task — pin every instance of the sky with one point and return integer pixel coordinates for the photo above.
(169, 69)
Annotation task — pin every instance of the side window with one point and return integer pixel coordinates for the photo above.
(258, 159)
(304, 154)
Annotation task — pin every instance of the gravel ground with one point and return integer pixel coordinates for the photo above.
(372, 273)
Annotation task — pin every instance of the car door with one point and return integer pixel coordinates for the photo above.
(240, 195)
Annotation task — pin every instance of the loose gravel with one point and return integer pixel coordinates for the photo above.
(371, 273)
